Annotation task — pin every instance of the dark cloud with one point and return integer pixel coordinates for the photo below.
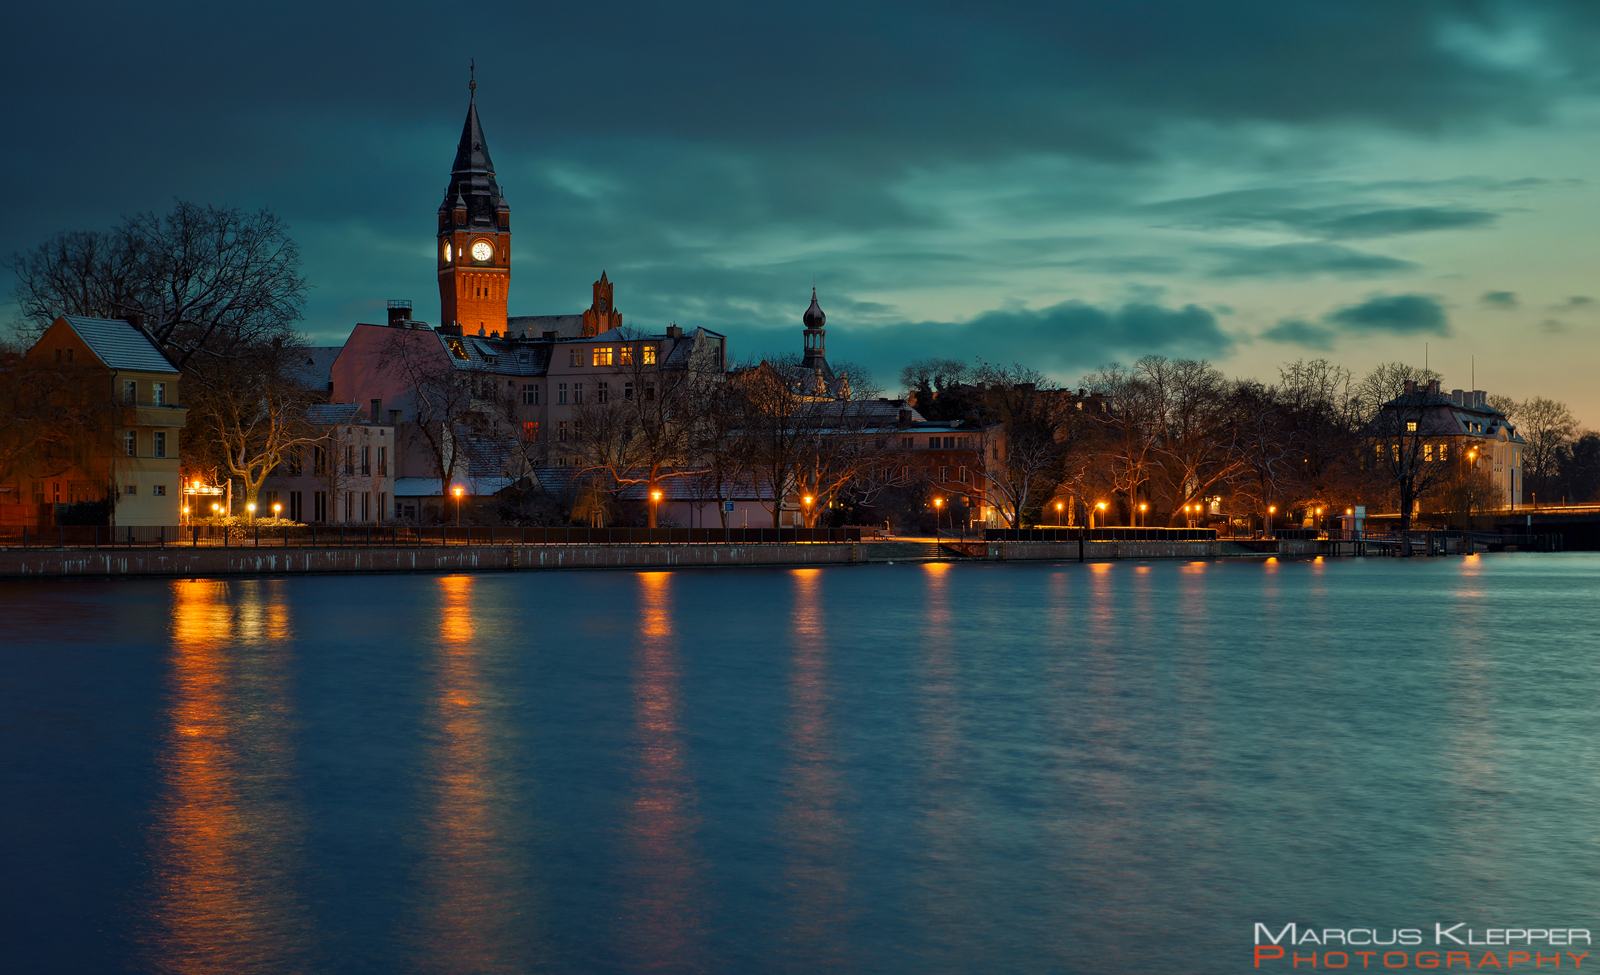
(1298, 331)
(708, 144)
(1395, 314)
(1500, 299)
(1574, 303)
(1551, 326)
(1301, 261)
(1297, 210)
(1408, 314)
(1062, 340)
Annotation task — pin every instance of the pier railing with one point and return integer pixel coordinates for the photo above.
(1099, 534)
(267, 535)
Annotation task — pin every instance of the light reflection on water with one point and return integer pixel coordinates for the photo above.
(937, 768)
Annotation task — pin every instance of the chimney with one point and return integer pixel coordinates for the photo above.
(1480, 397)
(394, 418)
(905, 418)
(1458, 397)
(399, 311)
(135, 319)
(1411, 385)
(552, 335)
(377, 410)
(1433, 387)
(674, 332)
(452, 329)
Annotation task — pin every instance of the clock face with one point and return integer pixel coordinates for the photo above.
(447, 252)
(481, 251)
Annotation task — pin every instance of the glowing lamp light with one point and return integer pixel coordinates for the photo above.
(1349, 511)
(250, 507)
(1272, 509)
(1101, 506)
(185, 510)
(214, 507)
(937, 502)
(656, 496)
(457, 492)
(806, 499)
(275, 509)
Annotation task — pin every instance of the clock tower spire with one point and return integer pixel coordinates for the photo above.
(474, 246)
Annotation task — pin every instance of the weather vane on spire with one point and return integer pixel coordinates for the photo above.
(472, 74)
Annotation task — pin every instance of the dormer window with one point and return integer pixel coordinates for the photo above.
(1411, 426)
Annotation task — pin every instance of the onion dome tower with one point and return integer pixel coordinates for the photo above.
(816, 354)
(474, 246)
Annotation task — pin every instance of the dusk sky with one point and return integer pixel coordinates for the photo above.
(1060, 184)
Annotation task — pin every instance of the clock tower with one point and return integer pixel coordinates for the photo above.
(474, 246)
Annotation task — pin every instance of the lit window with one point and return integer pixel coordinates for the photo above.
(530, 431)
(1411, 426)
(1443, 449)
(458, 350)
(647, 354)
(602, 355)
(1427, 452)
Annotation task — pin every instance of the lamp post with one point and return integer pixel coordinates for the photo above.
(1142, 507)
(1271, 510)
(275, 509)
(806, 511)
(938, 515)
(1101, 507)
(1058, 514)
(251, 508)
(457, 493)
(655, 503)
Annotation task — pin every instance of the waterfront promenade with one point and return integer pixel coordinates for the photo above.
(186, 561)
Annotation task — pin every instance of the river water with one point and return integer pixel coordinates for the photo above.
(899, 768)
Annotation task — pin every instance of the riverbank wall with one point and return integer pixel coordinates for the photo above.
(185, 561)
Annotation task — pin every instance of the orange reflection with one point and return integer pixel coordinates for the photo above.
(226, 839)
(467, 881)
(660, 925)
(812, 825)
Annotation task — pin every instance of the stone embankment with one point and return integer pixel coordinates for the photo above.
(186, 561)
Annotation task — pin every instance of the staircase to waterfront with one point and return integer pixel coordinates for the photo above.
(906, 551)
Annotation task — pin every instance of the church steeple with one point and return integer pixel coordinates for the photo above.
(474, 234)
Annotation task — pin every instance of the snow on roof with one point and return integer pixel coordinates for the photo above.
(119, 345)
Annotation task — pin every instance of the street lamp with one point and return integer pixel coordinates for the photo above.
(275, 509)
(251, 507)
(1142, 506)
(655, 504)
(457, 493)
(1272, 509)
(1102, 508)
(1058, 513)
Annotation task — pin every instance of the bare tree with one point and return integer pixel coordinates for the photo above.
(1405, 437)
(1548, 426)
(247, 412)
(643, 431)
(204, 279)
(1021, 446)
(52, 420)
(443, 398)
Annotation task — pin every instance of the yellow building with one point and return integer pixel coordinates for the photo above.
(118, 364)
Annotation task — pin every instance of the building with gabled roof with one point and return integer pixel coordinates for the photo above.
(121, 376)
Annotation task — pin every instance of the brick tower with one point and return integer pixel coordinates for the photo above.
(474, 248)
